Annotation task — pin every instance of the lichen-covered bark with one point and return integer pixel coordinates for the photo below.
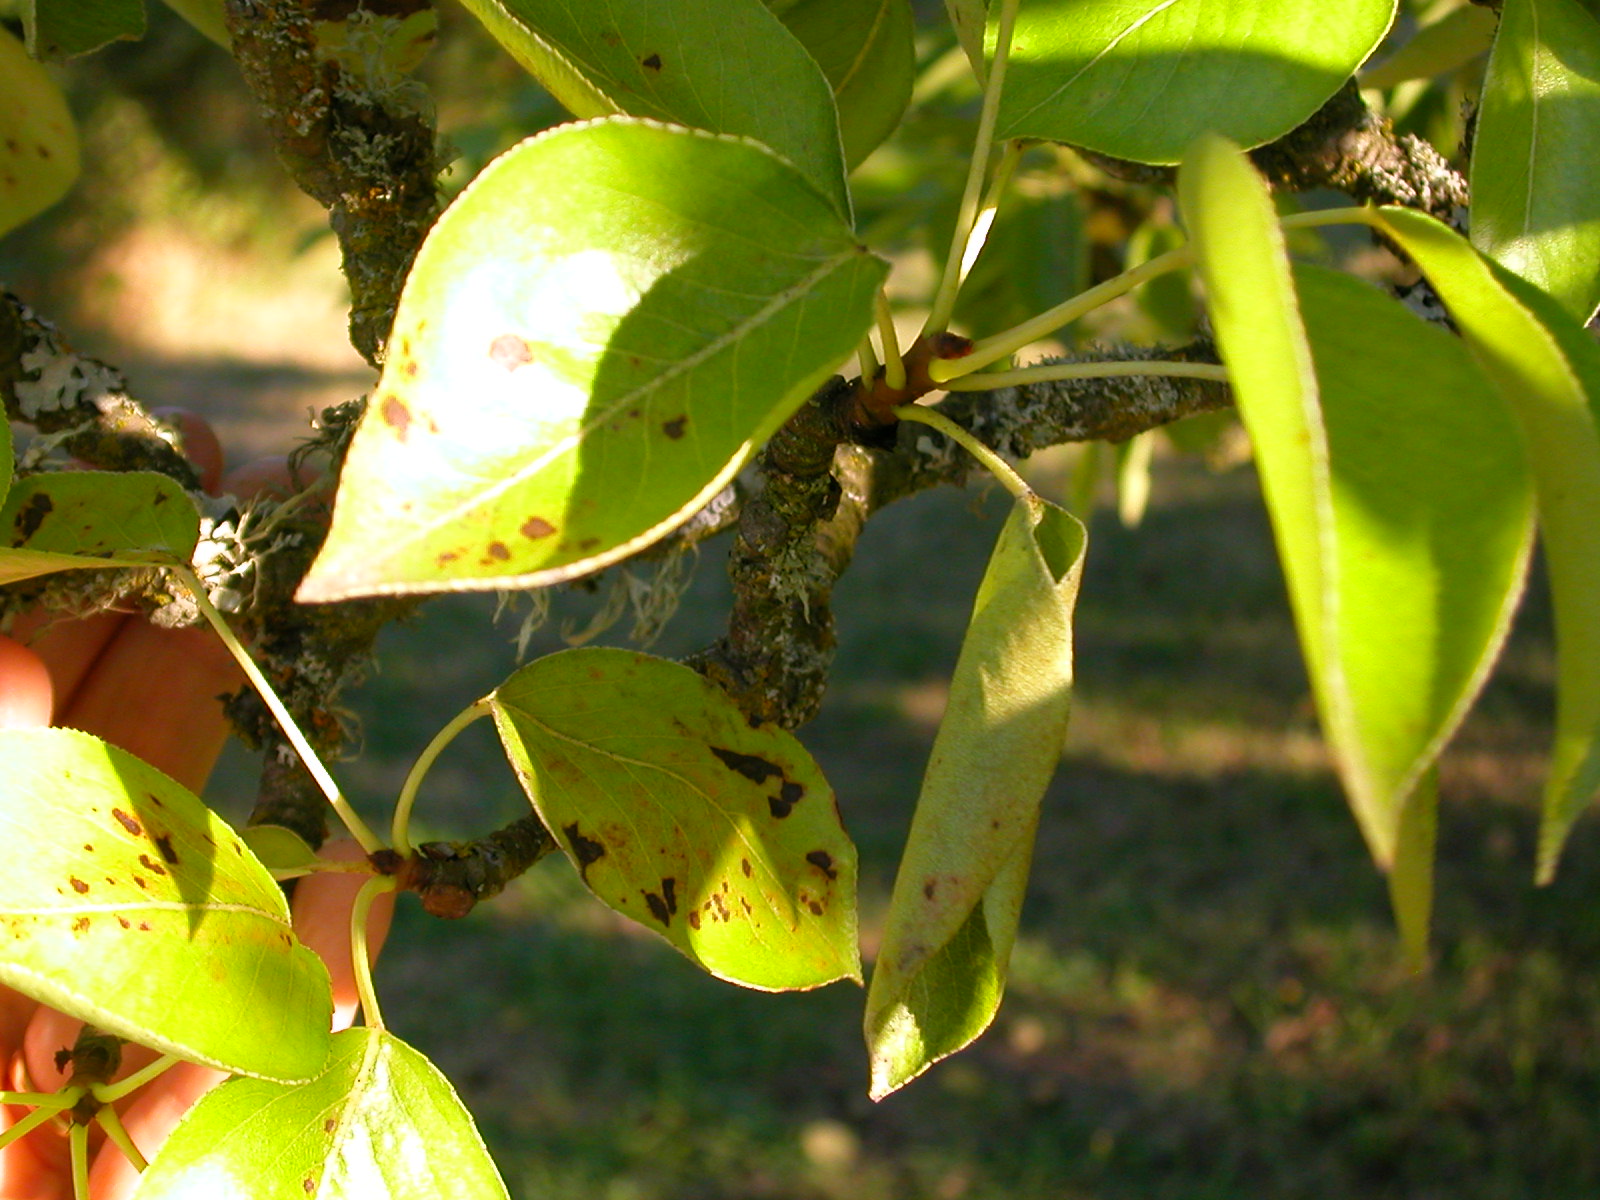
(364, 150)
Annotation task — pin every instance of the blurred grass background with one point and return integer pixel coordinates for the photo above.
(1207, 998)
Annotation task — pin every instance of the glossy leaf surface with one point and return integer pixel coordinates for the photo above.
(1141, 79)
(594, 338)
(38, 140)
(1400, 502)
(1535, 207)
(82, 519)
(958, 894)
(728, 66)
(969, 17)
(1545, 377)
(60, 29)
(723, 839)
(865, 50)
(137, 909)
(378, 1123)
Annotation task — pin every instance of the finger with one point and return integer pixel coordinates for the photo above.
(68, 646)
(26, 696)
(155, 1110)
(197, 442)
(322, 904)
(270, 477)
(154, 692)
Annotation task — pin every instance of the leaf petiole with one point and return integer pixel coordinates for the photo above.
(352, 820)
(53, 1101)
(944, 299)
(40, 1115)
(400, 829)
(78, 1141)
(1009, 341)
(997, 466)
(1053, 372)
(894, 367)
(108, 1120)
(370, 890)
(108, 1093)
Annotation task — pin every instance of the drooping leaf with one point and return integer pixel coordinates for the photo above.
(728, 66)
(865, 50)
(722, 838)
(38, 141)
(1546, 378)
(1452, 41)
(378, 1123)
(62, 29)
(138, 910)
(958, 894)
(593, 340)
(1535, 208)
(1400, 501)
(74, 520)
(1141, 79)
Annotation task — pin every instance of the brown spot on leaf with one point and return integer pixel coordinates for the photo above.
(498, 551)
(89, 847)
(81, 925)
(78, 885)
(658, 907)
(139, 882)
(586, 850)
(144, 926)
(694, 918)
(823, 861)
(788, 796)
(330, 1125)
(815, 906)
(164, 844)
(32, 514)
(536, 527)
(150, 864)
(929, 888)
(744, 864)
(669, 893)
(675, 427)
(124, 922)
(752, 767)
(651, 62)
(588, 544)
(395, 415)
(510, 351)
(128, 823)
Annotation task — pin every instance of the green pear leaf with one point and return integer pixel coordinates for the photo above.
(138, 910)
(1535, 208)
(1452, 41)
(722, 838)
(1549, 380)
(865, 50)
(728, 66)
(958, 894)
(62, 29)
(38, 140)
(1400, 502)
(74, 520)
(969, 17)
(595, 337)
(378, 1123)
(280, 850)
(1141, 79)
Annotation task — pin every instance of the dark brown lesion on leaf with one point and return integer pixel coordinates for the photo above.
(32, 514)
(150, 864)
(658, 907)
(164, 844)
(128, 822)
(586, 850)
(395, 415)
(651, 62)
(535, 528)
(753, 767)
(675, 427)
(823, 861)
(498, 551)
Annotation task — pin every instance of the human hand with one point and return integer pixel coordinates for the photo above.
(152, 692)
